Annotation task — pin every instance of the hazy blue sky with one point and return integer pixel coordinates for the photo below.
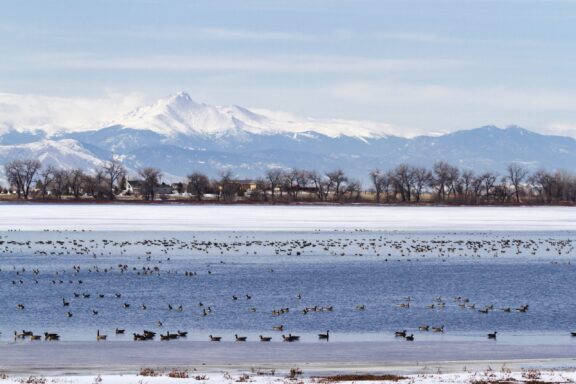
(422, 66)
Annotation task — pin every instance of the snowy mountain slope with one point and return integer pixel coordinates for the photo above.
(180, 115)
(62, 154)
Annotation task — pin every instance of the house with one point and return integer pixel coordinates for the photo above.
(133, 187)
(163, 189)
(246, 187)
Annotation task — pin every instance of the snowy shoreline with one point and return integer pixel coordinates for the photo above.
(473, 374)
(39, 217)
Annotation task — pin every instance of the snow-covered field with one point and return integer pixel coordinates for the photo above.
(118, 217)
(486, 376)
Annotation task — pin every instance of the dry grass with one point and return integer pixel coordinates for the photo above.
(33, 380)
(243, 379)
(294, 372)
(176, 374)
(148, 372)
(360, 377)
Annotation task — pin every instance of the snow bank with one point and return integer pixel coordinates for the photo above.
(117, 217)
(524, 376)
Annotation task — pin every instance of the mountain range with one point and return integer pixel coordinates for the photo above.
(179, 135)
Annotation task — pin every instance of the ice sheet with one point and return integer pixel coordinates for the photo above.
(180, 217)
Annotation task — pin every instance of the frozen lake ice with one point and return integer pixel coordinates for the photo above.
(181, 217)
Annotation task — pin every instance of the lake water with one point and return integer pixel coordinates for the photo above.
(396, 276)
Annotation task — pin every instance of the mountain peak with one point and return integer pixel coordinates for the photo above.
(181, 115)
(181, 98)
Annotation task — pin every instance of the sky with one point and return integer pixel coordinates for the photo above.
(420, 66)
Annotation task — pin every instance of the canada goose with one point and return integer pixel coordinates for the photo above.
(290, 338)
(20, 306)
(126, 305)
(410, 337)
(279, 327)
(119, 331)
(65, 303)
(523, 308)
(507, 309)
(324, 336)
(35, 337)
(69, 314)
(360, 307)
(240, 338)
(492, 335)
(182, 333)
(424, 327)
(94, 312)
(27, 333)
(159, 323)
(265, 338)
(573, 334)
(99, 336)
(18, 335)
(439, 329)
(400, 333)
(215, 338)
(51, 336)
(149, 334)
(165, 337)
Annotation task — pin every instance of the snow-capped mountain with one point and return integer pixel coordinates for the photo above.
(180, 135)
(180, 115)
(63, 153)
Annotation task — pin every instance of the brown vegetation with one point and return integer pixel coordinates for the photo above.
(360, 377)
(405, 184)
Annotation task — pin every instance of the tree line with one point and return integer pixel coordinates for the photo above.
(442, 183)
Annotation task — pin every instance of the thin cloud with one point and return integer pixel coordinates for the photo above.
(288, 63)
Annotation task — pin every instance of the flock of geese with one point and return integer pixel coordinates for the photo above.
(405, 248)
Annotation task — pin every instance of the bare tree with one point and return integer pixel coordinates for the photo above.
(379, 182)
(227, 185)
(59, 182)
(113, 171)
(46, 179)
(422, 178)
(466, 181)
(150, 180)
(488, 180)
(354, 190)
(516, 174)
(321, 185)
(445, 179)
(338, 180)
(544, 184)
(198, 184)
(21, 173)
(403, 176)
(76, 181)
(293, 182)
(274, 178)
